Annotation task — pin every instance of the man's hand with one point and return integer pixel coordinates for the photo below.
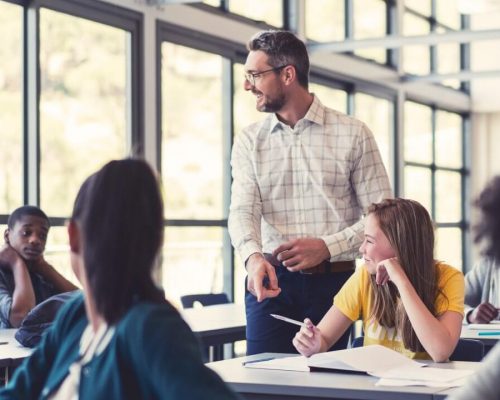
(9, 257)
(483, 313)
(258, 269)
(302, 253)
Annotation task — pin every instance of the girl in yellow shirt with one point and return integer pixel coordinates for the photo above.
(407, 300)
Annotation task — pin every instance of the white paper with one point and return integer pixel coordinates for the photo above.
(424, 374)
(295, 363)
(363, 359)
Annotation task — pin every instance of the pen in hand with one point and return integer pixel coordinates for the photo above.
(286, 319)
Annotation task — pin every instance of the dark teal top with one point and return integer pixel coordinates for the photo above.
(152, 355)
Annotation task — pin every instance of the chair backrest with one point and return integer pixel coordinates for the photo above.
(205, 299)
(466, 350)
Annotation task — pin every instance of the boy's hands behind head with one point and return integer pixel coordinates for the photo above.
(9, 257)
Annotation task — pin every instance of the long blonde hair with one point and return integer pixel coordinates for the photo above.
(410, 231)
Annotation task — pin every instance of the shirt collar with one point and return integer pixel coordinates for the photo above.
(315, 114)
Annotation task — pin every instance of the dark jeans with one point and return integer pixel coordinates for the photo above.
(301, 296)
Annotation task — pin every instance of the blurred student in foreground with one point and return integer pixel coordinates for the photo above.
(121, 339)
(484, 384)
(26, 278)
(408, 301)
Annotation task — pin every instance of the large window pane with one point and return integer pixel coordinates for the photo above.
(192, 261)
(325, 20)
(11, 70)
(370, 22)
(83, 104)
(449, 246)
(448, 139)
(418, 186)
(416, 58)
(330, 97)
(377, 113)
(259, 10)
(448, 196)
(418, 133)
(191, 133)
(245, 111)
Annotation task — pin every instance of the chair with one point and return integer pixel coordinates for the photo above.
(205, 299)
(466, 350)
(357, 342)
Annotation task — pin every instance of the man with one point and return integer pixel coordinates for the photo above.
(303, 177)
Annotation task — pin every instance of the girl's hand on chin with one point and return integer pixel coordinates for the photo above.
(389, 270)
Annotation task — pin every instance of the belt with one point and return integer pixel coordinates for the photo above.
(325, 267)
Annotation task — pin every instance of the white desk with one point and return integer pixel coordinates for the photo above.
(217, 325)
(262, 384)
(12, 353)
(488, 340)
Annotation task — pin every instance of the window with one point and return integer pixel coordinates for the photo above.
(259, 10)
(192, 170)
(420, 18)
(325, 21)
(434, 174)
(416, 58)
(83, 104)
(378, 114)
(11, 107)
(370, 22)
(330, 97)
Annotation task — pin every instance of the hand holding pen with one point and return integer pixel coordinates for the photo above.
(307, 341)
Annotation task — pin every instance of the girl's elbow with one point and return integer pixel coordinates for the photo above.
(440, 358)
(441, 355)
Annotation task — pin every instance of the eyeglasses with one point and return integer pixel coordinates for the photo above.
(251, 76)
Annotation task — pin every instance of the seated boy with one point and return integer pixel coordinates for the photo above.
(482, 292)
(26, 279)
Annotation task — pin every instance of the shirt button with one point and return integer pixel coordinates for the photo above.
(86, 371)
(45, 391)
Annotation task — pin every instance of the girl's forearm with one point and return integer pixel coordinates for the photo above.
(432, 333)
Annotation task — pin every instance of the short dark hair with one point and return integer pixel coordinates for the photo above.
(20, 212)
(119, 211)
(283, 48)
(488, 228)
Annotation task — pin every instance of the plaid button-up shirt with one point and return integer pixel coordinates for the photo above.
(315, 180)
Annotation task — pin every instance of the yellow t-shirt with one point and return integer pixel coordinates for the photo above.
(354, 301)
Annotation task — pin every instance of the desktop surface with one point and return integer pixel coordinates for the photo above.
(279, 385)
